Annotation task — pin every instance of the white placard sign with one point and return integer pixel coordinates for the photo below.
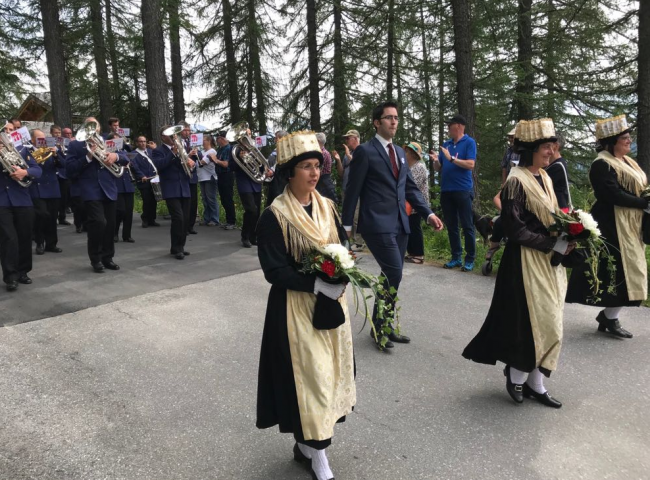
(260, 142)
(196, 139)
(124, 132)
(114, 145)
(41, 142)
(51, 141)
(16, 138)
(24, 133)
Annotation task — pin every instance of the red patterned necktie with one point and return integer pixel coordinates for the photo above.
(393, 160)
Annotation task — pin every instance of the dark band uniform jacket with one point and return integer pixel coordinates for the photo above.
(11, 193)
(92, 180)
(141, 166)
(174, 182)
(47, 186)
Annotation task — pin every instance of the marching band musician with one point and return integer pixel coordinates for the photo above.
(144, 171)
(46, 195)
(194, 181)
(64, 183)
(125, 199)
(114, 129)
(75, 202)
(16, 218)
(175, 185)
(98, 190)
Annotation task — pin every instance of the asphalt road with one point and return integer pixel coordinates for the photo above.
(150, 373)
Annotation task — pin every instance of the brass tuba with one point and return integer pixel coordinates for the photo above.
(252, 162)
(41, 155)
(88, 133)
(9, 158)
(173, 132)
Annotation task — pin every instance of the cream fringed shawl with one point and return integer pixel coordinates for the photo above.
(545, 285)
(322, 360)
(628, 226)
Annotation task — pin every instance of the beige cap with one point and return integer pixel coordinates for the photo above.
(352, 133)
(511, 133)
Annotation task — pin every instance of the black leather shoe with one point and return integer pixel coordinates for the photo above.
(98, 267)
(79, 229)
(397, 338)
(154, 224)
(12, 286)
(186, 253)
(515, 390)
(145, 224)
(544, 398)
(111, 265)
(128, 240)
(40, 249)
(246, 243)
(300, 458)
(192, 232)
(611, 326)
(25, 280)
(54, 249)
(64, 222)
(253, 242)
(385, 348)
(179, 256)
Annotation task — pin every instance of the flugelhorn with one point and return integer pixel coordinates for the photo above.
(172, 132)
(88, 133)
(9, 158)
(252, 162)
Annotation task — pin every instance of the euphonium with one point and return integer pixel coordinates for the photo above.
(9, 158)
(173, 132)
(252, 162)
(88, 133)
(41, 154)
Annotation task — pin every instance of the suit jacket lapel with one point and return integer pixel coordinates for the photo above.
(382, 151)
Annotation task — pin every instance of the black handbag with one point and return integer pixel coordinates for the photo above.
(328, 313)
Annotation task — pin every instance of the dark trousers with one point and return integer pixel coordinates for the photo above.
(497, 231)
(388, 250)
(64, 203)
(124, 214)
(46, 211)
(100, 223)
(78, 211)
(252, 203)
(149, 203)
(194, 206)
(179, 209)
(415, 246)
(15, 241)
(226, 184)
(457, 206)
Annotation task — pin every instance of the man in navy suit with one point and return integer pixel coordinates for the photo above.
(175, 186)
(144, 171)
(125, 199)
(194, 180)
(381, 181)
(46, 195)
(16, 219)
(97, 188)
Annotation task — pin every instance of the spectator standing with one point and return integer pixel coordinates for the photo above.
(225, 179)
(352, 139)
(415, 245)
(510, 157)
(557, 170)
(456, 160)
(325, 184)
(208, 182)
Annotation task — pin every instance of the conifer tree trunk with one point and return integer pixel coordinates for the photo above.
(99, 52)
(254, 32)
(526, 75)
(643, 88)
(314, 77)
(231, 63)
(390, 51)
(340, 112)
(426, 73)
(112, 52)
(56, 71)
(176, 60)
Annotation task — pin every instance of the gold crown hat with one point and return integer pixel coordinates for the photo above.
(535, 131)
(298, 146)
(609, 127)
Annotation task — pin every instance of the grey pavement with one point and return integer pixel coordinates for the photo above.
(160, 383)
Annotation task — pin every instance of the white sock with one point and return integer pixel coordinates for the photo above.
(612, 313)
(536, 381)
(517, 376)
(319, 463)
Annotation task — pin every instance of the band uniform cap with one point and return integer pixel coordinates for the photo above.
(414, 147)
(352, 133)
(529, 131)
(298, 146)
(511, 133)
(609, 127)
(458, 118)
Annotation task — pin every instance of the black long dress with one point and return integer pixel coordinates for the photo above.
(277, 403)
(609, 194)
(506, 334)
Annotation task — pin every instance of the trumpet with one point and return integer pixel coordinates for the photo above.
(88, 133)
(9, 158)
(252, 162)
(41, 155)
(173, 132)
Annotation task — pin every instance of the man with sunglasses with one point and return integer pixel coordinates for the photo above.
(381, 181)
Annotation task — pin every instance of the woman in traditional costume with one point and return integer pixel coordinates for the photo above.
(523, 328)
(306, 375)
(617, 181)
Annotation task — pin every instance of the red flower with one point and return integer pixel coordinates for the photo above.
(576, 228)
(328, 267)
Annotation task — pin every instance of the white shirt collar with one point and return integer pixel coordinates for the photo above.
(383, 141)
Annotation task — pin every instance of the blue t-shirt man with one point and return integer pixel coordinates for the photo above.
(455, 178)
